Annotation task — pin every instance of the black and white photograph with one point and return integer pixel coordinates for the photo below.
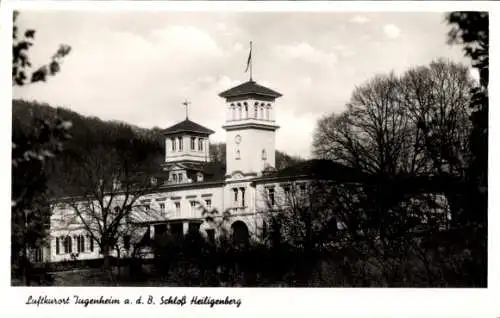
(156, 148)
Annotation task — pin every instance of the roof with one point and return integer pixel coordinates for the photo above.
(212, 171)
(249, 88)
(187, 126)
(318, 169)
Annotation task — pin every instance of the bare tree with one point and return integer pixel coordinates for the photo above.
(106, 194)
(408, 125)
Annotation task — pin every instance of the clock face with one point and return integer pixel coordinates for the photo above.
(237, 139)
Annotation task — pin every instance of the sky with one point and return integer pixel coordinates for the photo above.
(138, 67)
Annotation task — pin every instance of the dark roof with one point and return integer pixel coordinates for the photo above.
(318, 169)
(187, 126)
(249, 88)
(212, 171)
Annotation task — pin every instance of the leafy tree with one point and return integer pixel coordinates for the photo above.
(30, 152)
(471, 30)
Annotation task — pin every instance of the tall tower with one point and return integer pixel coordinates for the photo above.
(250, 128)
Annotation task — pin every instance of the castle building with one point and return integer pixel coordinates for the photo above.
(190, 185)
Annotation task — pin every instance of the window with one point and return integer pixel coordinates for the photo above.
(261, 112)
(180, 143)
(199, 177)
(193, 208)
(286, 190)
(126, 242)
(177, 208)
(68, 245)
(154, 181)
(235, 194)
(172, 140)
(242, 197)
(264, 154)
(256, 111)
(162, 207)
(174, 178)
(180, 177)
(147, 207)
(194, 227)
(208, 203)
(246, 110)
(91, 242)
(302, 189)
(80, 244)
(57, 246)
(268, 112)
(271, 196)
(193, 143)
(200, 144)
(233, 111)
(237, 155)
(38, 254)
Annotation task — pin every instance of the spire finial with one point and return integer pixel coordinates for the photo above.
(186, 103)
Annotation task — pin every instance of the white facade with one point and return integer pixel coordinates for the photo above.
(250, 132)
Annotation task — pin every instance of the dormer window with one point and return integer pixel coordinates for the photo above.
(116, 184)
(199, 177)
(154, 181)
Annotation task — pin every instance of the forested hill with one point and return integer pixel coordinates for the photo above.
(91, 132)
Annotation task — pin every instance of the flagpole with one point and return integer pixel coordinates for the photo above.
(251, 60)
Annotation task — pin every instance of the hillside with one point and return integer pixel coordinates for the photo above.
(91, 132)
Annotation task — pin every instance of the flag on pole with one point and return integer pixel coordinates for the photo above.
(249, 61)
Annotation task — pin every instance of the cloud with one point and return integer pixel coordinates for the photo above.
(360, 19)
(391, 31)
(305, 52)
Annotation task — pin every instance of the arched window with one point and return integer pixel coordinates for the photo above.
(239, 111)
(261, 112)
(233, 112)
(268, 112)
(80, 244)
(172, 140)
(91, 242)
(264, 154)
(193, 143)
(68, 245)
(246, 109)
(256, 111)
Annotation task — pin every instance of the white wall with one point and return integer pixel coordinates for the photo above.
(186, 153)
(253, 141)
